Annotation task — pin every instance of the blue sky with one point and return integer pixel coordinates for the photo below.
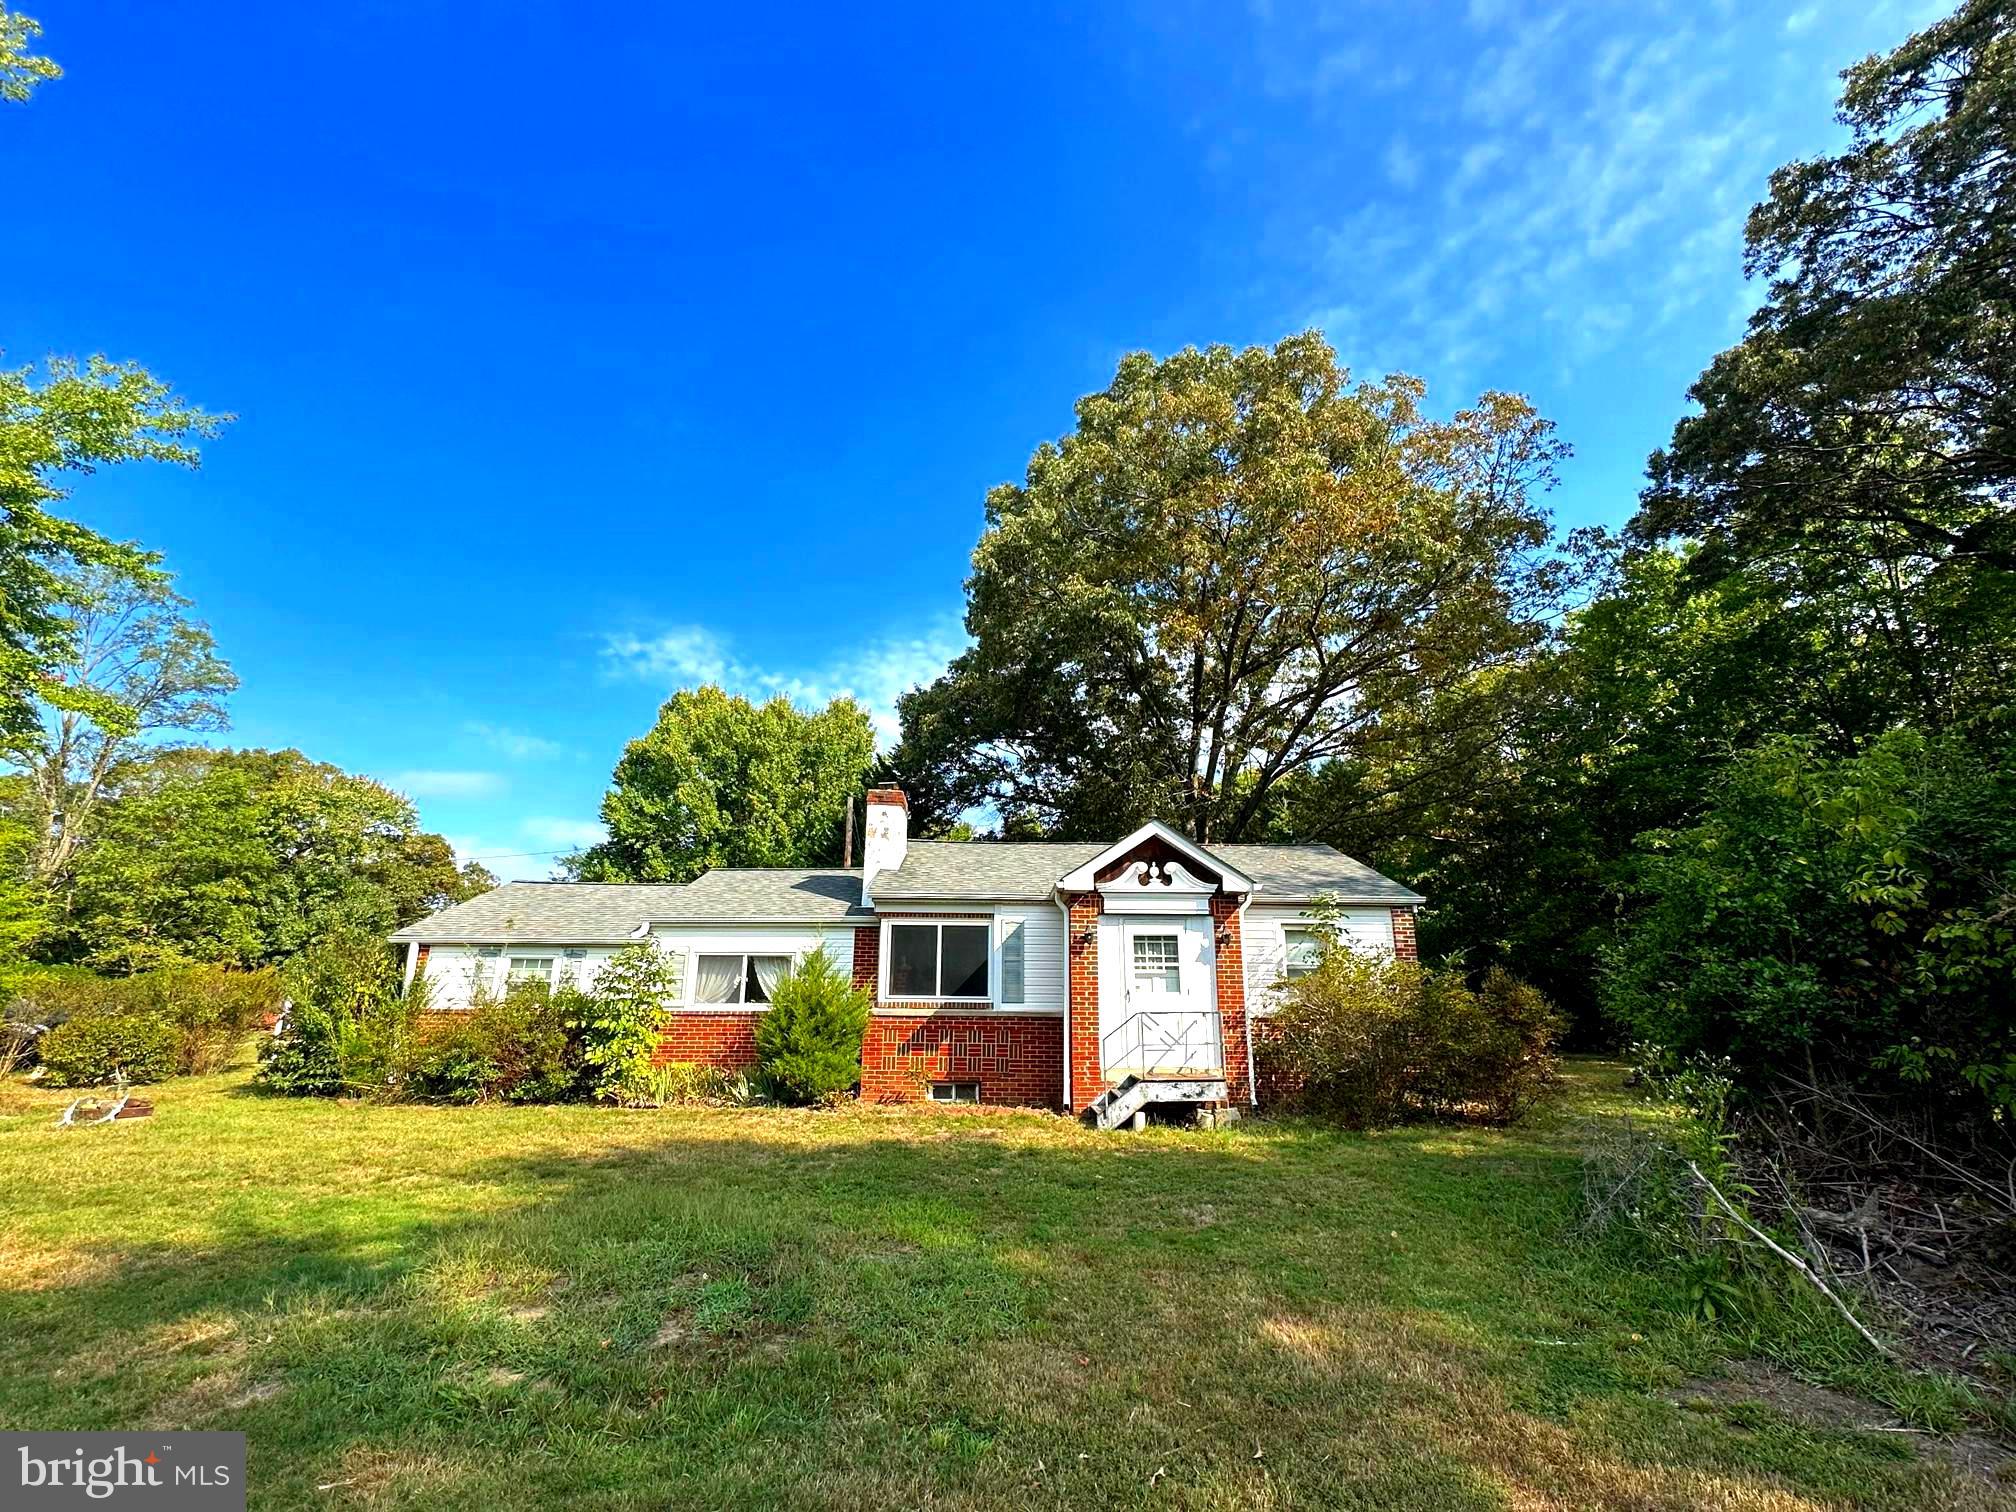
(584, 352)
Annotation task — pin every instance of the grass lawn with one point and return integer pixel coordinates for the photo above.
(506, 1307)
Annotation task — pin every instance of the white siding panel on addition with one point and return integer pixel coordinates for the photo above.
(1042, 955)
(1367, 930)
(455, 973)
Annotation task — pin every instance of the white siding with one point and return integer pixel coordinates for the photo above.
(1042, 956)
(455, 971)
(1369, 930)
(690, 941)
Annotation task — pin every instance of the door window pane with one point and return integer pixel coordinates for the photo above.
(1156, 965)
(964, 961)
(913, 960)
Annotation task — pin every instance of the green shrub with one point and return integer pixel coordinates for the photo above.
(87, 1049)
(808, 1046)
(349, 1027)
(1846, 913)
(515, 1048)
(209, 1009)
(1371, 1042)
(617, 1024)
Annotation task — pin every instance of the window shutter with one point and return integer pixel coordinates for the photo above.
(1011, 962)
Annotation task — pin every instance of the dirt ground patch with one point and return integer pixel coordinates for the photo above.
(1760, 1382)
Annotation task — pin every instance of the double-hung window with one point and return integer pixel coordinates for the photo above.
(528, 969)
(1304, 953)
(738, 978)
(938, 961)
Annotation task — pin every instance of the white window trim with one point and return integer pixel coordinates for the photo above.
(883, 994)
(693, 971)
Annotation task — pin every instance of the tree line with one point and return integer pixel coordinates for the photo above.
(1737, 779)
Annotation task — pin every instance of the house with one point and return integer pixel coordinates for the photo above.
(1079, 975)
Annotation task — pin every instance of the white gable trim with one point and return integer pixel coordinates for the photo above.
(1081, 879)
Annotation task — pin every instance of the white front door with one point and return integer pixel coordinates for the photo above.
(1157, 1014)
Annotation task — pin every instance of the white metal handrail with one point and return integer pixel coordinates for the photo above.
(1179, 1040)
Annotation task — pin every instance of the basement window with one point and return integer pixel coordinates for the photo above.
(955, 1092)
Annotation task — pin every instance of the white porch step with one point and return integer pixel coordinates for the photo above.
(1132, 1094)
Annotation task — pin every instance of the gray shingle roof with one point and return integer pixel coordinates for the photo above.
(820, 895)
(550, 913)
(595, 913)
(1026, 871)
(1296, 873)
(1009, 871)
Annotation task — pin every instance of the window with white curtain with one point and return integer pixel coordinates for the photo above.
(738, 978)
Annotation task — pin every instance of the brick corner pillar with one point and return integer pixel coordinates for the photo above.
(868, 960)
(1404, 946)
(1231, 956)
(1081, 1024)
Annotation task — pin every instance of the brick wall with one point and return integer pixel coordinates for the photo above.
(1082, 998)
(1274, 1082)
(1225, 926)
(868, 959)
(1404, 948)
(1016, 1058)
(726, 1039)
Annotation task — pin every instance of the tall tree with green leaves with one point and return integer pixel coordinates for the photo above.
(136, 665)
(720, 781)
(1237, 568)
(246, 857)
(70, 418)
(1871, 404)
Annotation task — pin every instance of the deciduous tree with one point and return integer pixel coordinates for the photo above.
(135, 664)
(719, 781)
(1238, 567)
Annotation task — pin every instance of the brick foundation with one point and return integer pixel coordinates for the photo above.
(1015, 1057)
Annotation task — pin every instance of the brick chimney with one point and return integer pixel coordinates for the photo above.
(885, 836)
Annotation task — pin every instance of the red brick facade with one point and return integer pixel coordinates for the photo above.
(1404, 948)
(1081, 952)
(726, 1039)
(1231, 952)
(1016, 1058)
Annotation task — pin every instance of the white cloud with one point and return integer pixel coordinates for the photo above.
(873, 674)
(1801, 20)
(516, 744)
(571, 833)
(1570, 178)
(439, 784)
